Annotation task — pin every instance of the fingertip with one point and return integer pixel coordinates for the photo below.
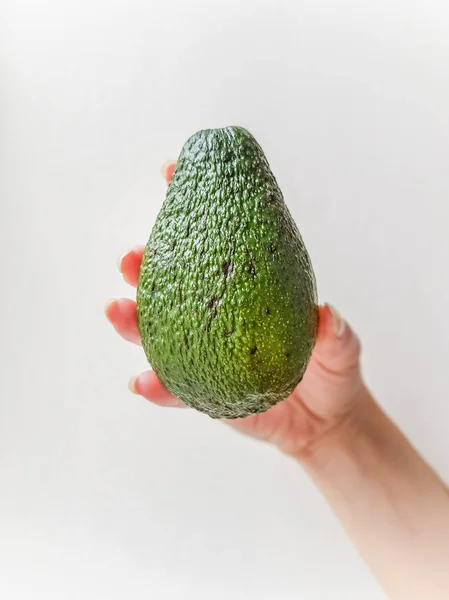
(168, 169)
(129, 264)
(122, 314)
(132, 385)
(331, 324)
(150, 387)
(331, 321)
(336, 346)
(120, 259)
(109, 309)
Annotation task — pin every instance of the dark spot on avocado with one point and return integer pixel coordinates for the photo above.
(154, 287)
(267, 311)
(228, 333)
(252, 269)
(253, 350)
(272, 249)
(228, 268)
(213, 304)
(287, 355)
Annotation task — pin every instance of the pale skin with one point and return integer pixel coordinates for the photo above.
(393, 506)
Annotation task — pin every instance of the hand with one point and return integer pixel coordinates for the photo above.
(321, 403)
(393, 506)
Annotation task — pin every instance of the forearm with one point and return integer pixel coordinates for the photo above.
(391, 503)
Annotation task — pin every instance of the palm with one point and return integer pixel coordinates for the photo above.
(321, 400)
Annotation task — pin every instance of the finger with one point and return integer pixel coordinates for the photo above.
(150, 387)
(332, 381)
(167, 170)
(122, 313)
(129, 265)
(337, 348)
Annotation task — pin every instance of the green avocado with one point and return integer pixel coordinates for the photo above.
(226, 298)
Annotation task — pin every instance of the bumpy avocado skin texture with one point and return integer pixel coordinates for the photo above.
(226, 299)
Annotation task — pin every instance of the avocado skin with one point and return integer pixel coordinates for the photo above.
(226, 298)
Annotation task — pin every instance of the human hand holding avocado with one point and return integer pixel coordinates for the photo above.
(391, 503)
(320, 403)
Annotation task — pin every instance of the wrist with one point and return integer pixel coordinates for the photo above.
(355, 435)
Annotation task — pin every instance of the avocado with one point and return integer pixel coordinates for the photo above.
(226, 298)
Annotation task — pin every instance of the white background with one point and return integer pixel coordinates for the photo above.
(102, 494)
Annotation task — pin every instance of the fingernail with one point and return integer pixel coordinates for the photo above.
(338, 323)
(119, 261)
(165, 166)
(106, 307)
(132, 385)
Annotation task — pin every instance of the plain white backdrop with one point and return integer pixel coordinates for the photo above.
(102, 494)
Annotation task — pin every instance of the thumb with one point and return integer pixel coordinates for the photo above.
(332, 379)
(337, 347)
